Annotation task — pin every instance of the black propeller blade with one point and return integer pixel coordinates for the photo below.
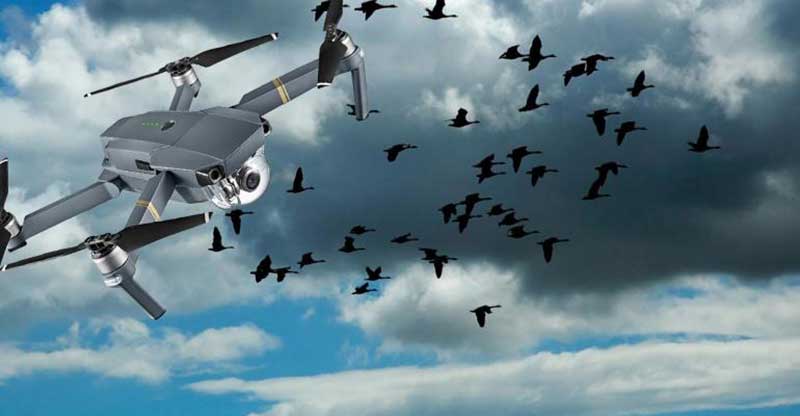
(46, 256)
(204, 59)
(5, 236)
(331, 51)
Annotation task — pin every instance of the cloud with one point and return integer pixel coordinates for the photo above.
(132, 351)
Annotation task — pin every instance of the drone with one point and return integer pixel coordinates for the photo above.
(213, 155)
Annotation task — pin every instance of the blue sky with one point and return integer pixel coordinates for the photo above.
(657, 305)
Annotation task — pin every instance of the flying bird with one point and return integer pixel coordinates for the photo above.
(375, 275)
(438, 263)
(402, 239)
(349, 247)
(297, 185)
(607, 167)
(363, 289)
(538, 172)
(487, 162)
(592, 60)
(461, 119)
(430, 253)
(512, 53)
(574, 72)
(518, 154)
(487, 173)
(535, 56)
(547, 247)
(438, 12)
(498, 210)
(639, 85)
(448, 211)
(510, 219)
(352, 107)
(518, 232)
(702, 142)
(361, 230)
(394, 151)
(372, 6)
(481, 312)
(599, 119)
(531, 104)
(471, 200)
(322, 8)
(236, 219)
(463, 221)
(263, 269)
(216, 243)
(624, 129)
(594, 191)
(308, 260)
(282, 272)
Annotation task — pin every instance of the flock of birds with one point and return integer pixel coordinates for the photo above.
(451, 212)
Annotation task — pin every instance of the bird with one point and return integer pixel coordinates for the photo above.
(216, 243)
(448, 211)
(438, 12)
(363, 289)
(481, 312)
(535, 56)
(594, 191)
(394, 151)
(591, 62)
(547, 247)
(573, 72)
(511, 219)
(519, 232)
(487, 162)
(486, 173)
(282, 272)
(471, 200)
(607, 167)
(236, 219)
(361, 230)
(461, 119)
(463, 221)
(375, 275)
(402, 239)
(512, 53)
(352, 111)
(599, 119)
(498, 210)
(263, 270)
(624, 129)
(639, 85)
(430, 253)
(348, 246)
(438, 263)
(297, 185)
(372, 6)
(702, 142)
(531, 104)
(308, 260)
(518, 154)
(538, 172)
(322, 8)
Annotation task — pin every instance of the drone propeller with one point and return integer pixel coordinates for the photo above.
(331, 51)
(5, 235)
(204, 59)
(129, 239)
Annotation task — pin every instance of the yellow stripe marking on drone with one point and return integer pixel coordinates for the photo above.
(282, 91)
(150, 208)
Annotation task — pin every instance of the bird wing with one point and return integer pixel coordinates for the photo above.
(217, 237)
(319, 10)
(439, 7)
(462, 115)
(481, 315)
(600, 124)
(237, 223)
(533, 95)
(298, 179)
(438, 267)
(702, 140)
(368, 12)
(640, 79)
(620, 136)
(536, 46)
(548, 251)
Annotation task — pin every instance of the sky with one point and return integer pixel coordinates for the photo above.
(675, 296)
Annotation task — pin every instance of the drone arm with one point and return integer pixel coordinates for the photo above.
(151, 202)
(150, 305)
(64, 209)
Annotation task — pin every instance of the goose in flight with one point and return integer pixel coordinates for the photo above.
(297, 185)
(518, 154)
(498, 210)
(538, 172)
(349, 246)
(236, 219)
(702, 142)
(308, 260)
(592, 60)
(361, 230)
(531, 104)
(481, 312)
(448, 211)
(639, 85)
(394, 151)
(599, 119)
(512, 53)
(363, 289)
(624, 129)
(375, 275)
(535, 55)
(372, 6)
(594, 191)
(403, 239)
(216, 243)
(461, 119)
(548, 245)
(438, 12)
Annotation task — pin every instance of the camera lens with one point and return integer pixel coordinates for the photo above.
(251, 181)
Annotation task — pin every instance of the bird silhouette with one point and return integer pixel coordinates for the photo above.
(487, 173)
(519, 232)
(487, 162)
(438, 12)
(371, 6)
(461, 119)
(481, 312)
(518, 154)
(471, 200)
(512, 53)
(599, 119)
(498, 210)
(236, 219)
(352, 111)
(639, 85)
(624, 129)
(702, 142)
(574, 72)
(511, 219)
(308, 260)
(282, 272)
(538, 172)
(263, 269)
(448, 211)
(594, 191)
(375, 275)
(402, 239)
(535, 56)
(322, 8)
(438, 263)
(363, 289)
(361, 230)
(430, 253)
(607, 167)
(349, 247)
(547, 247)
(531, 104)
(297, 185)
(216, 243)
(463, 221)
(591, 62)
(394, 151)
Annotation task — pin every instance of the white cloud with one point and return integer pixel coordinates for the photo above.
(132, 351)
(624, 380)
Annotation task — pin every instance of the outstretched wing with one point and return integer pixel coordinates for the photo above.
(702, 140)
(481, 318)
(640, 79)
(600, 124)
(217, 237)
(439, 7)
(536, 46)
(298, 179)
(548, 251)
